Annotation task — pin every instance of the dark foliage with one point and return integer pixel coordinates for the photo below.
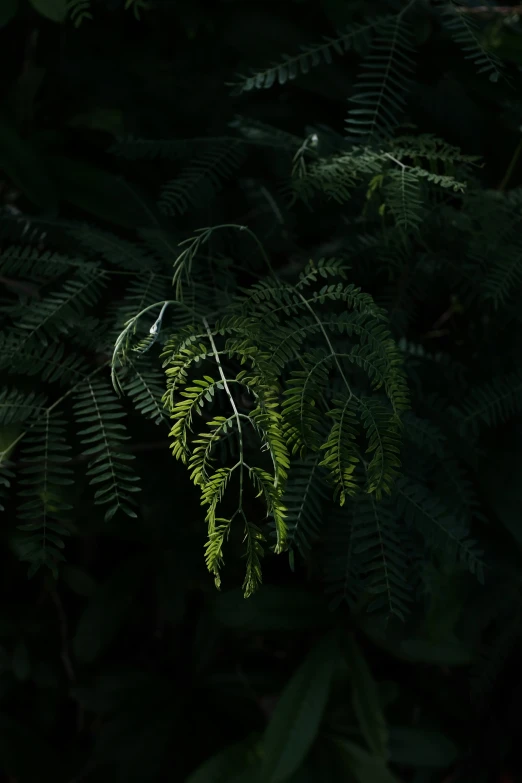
(281, 244)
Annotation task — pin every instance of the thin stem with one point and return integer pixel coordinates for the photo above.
(328, 342)
(233, 405)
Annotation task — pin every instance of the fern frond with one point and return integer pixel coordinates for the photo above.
(263, 331)
(143, 291)
(53, 363)
(382, 431)
(98, 408)
(57, 313)
(28, 264)
(403, 196)
(491, 403)
(304, 500)
(113, 249)
(377, 542)
(465, 31)
(379, 96)
(442, 531)
(427, 148)
(503, 275)
(310, 56)
(254, 553)
(202, 178)
(44, 457)
(302, 416)
(214, 548)
(145, 387)
(17, 406)
(341, 455)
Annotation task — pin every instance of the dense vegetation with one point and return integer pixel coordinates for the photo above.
(260, 391)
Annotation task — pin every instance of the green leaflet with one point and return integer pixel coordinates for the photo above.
(296, 719)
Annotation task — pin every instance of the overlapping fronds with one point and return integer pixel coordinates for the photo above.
(202, 178)
(491, 403)
(289, 339)
(377, 541)
(441, 528)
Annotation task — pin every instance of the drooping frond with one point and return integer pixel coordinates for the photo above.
(424, 434)
(57, 313)
(44, 506)
(145, 387)
(289, 404)
(17, 406)
(465, 31)
(304, 499)
(386, 76)
(310, 56)
(202, 178)
(378, 544)
(24, 265)
(442, 530)
(403, 198)
(53, 363)
(115, 250)
(491, 402)
(104, 436)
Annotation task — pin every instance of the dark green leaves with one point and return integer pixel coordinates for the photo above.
(105, 436)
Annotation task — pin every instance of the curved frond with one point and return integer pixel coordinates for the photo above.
(386, 76)
(378, 543)
(310, 56)
(44, 507)
(97, 407)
